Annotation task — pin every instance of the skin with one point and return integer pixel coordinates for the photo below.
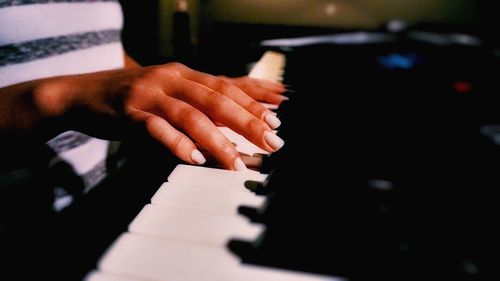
(176, 105)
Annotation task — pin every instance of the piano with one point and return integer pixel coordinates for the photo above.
(380, 179)
(182, 234)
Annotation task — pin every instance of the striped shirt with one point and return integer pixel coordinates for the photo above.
(44, 38)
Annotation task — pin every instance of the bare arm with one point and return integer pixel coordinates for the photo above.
(175, 104)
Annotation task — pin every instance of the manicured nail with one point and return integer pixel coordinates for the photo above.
(284, 98)
(273, 140)
(239, 165)
(272, 121)
(197, 157)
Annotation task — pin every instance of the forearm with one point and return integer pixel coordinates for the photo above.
(174, 104)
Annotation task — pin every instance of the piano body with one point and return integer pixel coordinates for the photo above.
(380, 179)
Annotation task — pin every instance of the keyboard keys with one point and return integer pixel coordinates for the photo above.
(194, 175)
(193, 225)
(158, 259)
(242, 144)
(203, 198)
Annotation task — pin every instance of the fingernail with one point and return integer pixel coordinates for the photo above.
(239, 165)
(197, 157)
(272, 121)
(284, 98)
(273, 140)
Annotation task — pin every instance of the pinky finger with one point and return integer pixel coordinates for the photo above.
(178, 143)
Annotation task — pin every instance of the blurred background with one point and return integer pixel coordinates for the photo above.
(220, 27)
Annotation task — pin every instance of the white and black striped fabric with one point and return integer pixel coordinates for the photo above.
(45, 38)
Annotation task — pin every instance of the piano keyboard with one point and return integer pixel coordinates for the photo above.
(182, 234)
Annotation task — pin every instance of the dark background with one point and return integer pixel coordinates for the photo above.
(217, 38)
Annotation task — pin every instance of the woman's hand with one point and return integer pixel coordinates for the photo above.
(176, 105)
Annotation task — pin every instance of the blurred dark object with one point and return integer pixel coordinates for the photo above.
(224, 47)
(405, 193)
(181, 34)
(489, 20)
(141, 31)
(221, 43)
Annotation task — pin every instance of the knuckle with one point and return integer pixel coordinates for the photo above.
(137, 87)
(177, 141)
(143, 81)
(176, 67)
(133, 92)
(223, 86)
(190, 116)
(217, 101)
(155, 72)
(256, 108)
(227, 148)
(255, 125)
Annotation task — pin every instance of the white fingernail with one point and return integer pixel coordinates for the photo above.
(273, 140)
(197, 157)
(272, 121)
(239, 165)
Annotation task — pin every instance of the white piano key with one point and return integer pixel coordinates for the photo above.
(242, 144)
(195, 175)
(193, 225)
(249, 150)
(165, 260)
(101, 276)
(269, 66)
(205, 198)
(157, 259)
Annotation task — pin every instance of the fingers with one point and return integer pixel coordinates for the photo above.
(228, 89)
(183, 109)
(201, 129)
(178, 143)
(224, 110)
